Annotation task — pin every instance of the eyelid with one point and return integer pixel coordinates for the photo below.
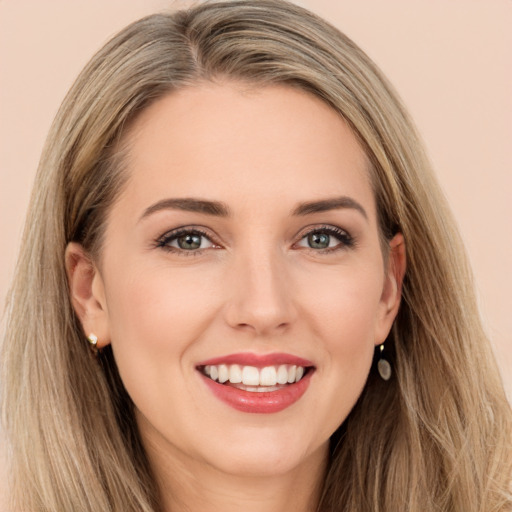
(164, 240)
(346, 240)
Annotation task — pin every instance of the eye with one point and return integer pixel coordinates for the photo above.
(328, 238)
(188, 240)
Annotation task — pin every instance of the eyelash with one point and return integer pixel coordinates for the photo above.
(346, 241)
(164, 241)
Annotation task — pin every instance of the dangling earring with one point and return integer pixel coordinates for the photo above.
(93, 343)
(383, 366)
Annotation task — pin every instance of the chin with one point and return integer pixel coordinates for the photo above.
(265, 453)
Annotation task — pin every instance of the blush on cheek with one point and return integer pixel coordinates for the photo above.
(346, 319)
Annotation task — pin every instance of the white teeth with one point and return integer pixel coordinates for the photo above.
(223, 373)
(264, 389)
(250, 376)
(235, 374)
(269, 376)
(282, 375)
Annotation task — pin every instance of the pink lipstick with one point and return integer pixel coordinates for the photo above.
(257, 383)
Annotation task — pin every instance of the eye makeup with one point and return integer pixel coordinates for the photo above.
(192, 240)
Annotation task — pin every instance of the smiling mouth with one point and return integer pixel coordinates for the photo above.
(254, 379)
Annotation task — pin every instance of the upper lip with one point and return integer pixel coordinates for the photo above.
(258, 360)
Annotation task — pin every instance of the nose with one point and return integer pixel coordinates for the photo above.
(261, 295)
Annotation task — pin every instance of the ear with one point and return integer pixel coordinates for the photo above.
(392, 289)
(87, 293)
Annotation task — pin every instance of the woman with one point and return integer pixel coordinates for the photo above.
(234, 217)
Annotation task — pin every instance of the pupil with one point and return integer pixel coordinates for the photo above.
(318, 240)
(189, 242)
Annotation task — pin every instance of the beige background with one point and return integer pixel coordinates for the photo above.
(449, 59)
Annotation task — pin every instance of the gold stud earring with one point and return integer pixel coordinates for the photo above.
(383, 366)
(93, 343)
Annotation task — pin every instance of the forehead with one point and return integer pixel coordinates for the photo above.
(243, 143)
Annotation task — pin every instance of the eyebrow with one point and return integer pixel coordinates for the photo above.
(219, 209)
(325, 205)
(189, 205)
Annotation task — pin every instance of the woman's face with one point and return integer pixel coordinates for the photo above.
(244, 246)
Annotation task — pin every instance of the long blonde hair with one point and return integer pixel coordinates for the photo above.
(436, 437)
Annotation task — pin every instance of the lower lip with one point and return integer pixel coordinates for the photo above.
(255, 402)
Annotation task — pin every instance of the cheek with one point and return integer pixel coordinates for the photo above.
(348, 335)
(343, 318)
(158, 305)
(155, 316)
(346, 308)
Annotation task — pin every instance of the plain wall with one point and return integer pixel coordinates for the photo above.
(449, 60)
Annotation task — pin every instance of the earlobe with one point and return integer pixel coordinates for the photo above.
(392, 290)
(87, 293)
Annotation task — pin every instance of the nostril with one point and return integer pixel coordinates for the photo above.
(261, 328)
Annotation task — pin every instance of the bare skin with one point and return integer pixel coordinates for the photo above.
(248, 225)
(188, 485)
